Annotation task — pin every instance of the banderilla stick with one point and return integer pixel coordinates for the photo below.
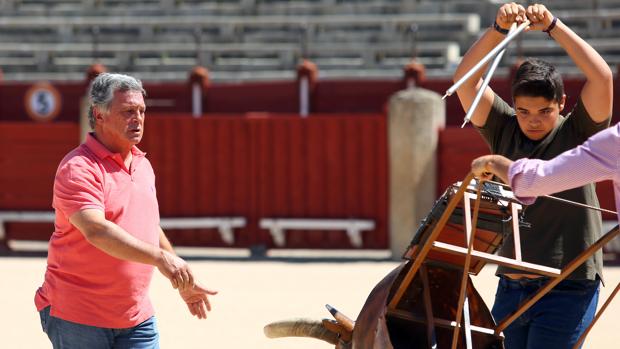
(486, 81)
(488, 57)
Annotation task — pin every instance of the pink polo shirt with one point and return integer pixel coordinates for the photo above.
(82, 283)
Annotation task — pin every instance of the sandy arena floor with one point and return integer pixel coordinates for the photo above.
(252, 294)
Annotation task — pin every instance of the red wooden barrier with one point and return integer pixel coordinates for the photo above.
(272, 97)
(202, 169)
(330, 96)
(29, 155)
(456, 148)
(13, 103)
(255, 166)
(322, 167)
(365, 96)
(259, 166)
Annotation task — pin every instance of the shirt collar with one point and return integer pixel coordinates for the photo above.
(102, 152)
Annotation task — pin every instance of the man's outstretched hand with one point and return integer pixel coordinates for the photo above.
(176, 270)
(197, 299)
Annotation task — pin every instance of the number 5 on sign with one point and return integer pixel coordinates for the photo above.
(42, 102)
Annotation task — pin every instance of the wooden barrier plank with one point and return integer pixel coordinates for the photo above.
(252, 166)
(30, 156)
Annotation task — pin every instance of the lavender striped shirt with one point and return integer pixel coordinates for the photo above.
(597, 159)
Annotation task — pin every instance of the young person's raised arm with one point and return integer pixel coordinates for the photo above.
(506, 15)
(597, 92)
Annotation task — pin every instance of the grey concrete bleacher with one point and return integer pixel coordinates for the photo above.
(599, 26)
(240, 39)
(594, 23)
(171, 43)
(169, 55)
(549, 50)
(236, 7)
(231, 25)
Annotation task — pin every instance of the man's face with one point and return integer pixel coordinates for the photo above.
(123, 123)
(537, 116)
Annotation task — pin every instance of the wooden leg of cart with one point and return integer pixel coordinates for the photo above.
(598, 315)
(418, 259)
(470, 232)
(428, 308)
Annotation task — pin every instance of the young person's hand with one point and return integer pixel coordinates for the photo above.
(510, 13)
(539, 16)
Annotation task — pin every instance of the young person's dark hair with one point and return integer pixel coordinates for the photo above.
(537, 78)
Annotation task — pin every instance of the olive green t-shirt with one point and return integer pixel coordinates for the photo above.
(559, 231)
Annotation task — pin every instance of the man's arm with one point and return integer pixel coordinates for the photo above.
(595, 160)
(118, 243)
(597, 92)
(197, 297)
(165, 245)
(489, 165)
(506, 15)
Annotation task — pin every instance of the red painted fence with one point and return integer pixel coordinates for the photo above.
(328, 96)
(236, 162)
(254, 166)
(29, 155)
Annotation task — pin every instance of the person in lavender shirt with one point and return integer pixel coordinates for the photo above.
(598, 159)
(533, 127)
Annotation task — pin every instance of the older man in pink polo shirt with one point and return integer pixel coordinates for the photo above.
(107, 238)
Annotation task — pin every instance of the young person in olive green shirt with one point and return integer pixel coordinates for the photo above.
(534, 128)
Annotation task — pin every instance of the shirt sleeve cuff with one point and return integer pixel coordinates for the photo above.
(514, 173)
(69, 211)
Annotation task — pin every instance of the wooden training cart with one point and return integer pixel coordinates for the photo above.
(429, 301)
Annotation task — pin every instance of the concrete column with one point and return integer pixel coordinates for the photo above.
(414, 117)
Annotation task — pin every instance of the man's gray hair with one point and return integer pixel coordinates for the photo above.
(102, 90)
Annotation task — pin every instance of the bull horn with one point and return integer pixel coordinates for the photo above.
(301, 328)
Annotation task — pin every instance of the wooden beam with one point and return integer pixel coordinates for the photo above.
(428, 244)
(566, 271)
